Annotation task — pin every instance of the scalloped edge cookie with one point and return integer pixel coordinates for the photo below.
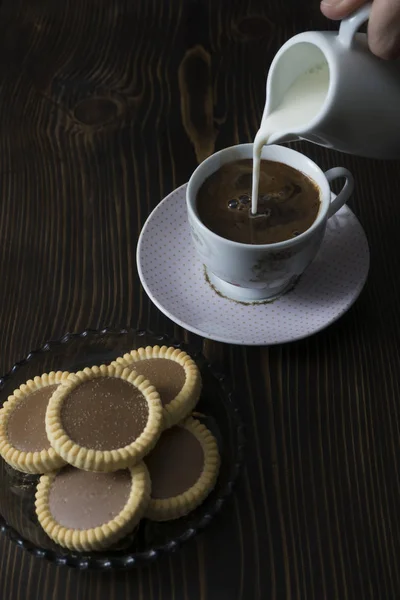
(29, 462)
(179, 506)
(103, 536)
(182, 405)
(89, 459)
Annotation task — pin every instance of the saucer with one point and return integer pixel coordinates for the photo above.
(177, 282)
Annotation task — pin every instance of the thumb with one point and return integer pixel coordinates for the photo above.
(338, 9)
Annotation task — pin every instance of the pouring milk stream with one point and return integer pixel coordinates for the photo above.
(299, 105)
(328, 88)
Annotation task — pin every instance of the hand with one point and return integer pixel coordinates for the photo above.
(383, 27)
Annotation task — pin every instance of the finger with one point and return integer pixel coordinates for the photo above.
(384, 28)
(338, 9)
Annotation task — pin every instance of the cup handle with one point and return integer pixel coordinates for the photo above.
(349, 27)
(345, 192)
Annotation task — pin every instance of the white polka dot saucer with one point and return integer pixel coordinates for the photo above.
(175, 280)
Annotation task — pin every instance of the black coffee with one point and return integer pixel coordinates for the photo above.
(288, 202)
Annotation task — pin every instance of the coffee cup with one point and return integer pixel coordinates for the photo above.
(254, 273)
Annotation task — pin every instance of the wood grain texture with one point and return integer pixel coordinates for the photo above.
(105, 107)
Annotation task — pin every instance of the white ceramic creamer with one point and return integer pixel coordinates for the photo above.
(328, 88)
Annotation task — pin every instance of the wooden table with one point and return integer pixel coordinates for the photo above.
(105, 107)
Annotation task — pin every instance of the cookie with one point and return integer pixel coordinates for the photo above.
(183, 469)
(23, 441)
(104, 418)
(83, 510)
(174, 375)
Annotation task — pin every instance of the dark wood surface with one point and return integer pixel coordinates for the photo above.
(105, 107)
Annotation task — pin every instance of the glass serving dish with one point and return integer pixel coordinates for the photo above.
(216, 409)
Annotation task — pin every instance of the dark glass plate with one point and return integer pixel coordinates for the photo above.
(216, 409)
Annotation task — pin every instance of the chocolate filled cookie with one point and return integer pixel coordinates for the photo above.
(24, 444)
(173, 373)
(183, 469)
(104, 418)
(82, 510)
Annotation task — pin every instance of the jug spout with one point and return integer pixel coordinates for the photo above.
(264, 136)
(297, 57)
(283, 138)
(297, 88)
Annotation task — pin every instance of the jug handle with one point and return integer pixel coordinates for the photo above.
(349, 27)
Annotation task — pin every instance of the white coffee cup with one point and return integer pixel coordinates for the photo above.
(251, 273)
